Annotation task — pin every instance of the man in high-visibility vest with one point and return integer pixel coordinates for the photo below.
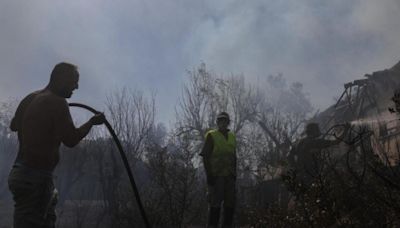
(219, 158)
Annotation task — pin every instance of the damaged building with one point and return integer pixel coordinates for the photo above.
(367, 103)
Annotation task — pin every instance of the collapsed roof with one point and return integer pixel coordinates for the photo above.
(363, 98)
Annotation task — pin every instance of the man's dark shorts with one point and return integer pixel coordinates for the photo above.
(35, 198)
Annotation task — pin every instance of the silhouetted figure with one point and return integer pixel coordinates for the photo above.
(396, 100)
(305, 157)
(43, 121)
(219, 158)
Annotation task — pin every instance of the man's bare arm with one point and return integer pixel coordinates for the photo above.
(70, 135)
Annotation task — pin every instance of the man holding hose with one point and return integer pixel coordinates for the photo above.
(43, 121)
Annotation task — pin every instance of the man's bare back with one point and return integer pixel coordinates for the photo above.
(44, 123)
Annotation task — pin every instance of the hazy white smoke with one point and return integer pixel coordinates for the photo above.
(150, 44)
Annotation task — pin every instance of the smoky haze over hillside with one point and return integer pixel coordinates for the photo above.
(161, 71)
(151, 45)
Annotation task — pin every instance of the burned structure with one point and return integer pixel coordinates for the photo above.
(366, 105)
(356, 183)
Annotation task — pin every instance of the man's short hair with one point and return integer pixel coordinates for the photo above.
(61, 69)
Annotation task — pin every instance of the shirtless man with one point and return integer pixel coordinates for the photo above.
(43, 121)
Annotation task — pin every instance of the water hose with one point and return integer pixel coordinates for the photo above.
(124, 159)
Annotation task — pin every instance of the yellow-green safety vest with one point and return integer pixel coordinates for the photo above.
(222, 159)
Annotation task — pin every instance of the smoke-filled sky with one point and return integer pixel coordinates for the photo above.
(149, 44)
